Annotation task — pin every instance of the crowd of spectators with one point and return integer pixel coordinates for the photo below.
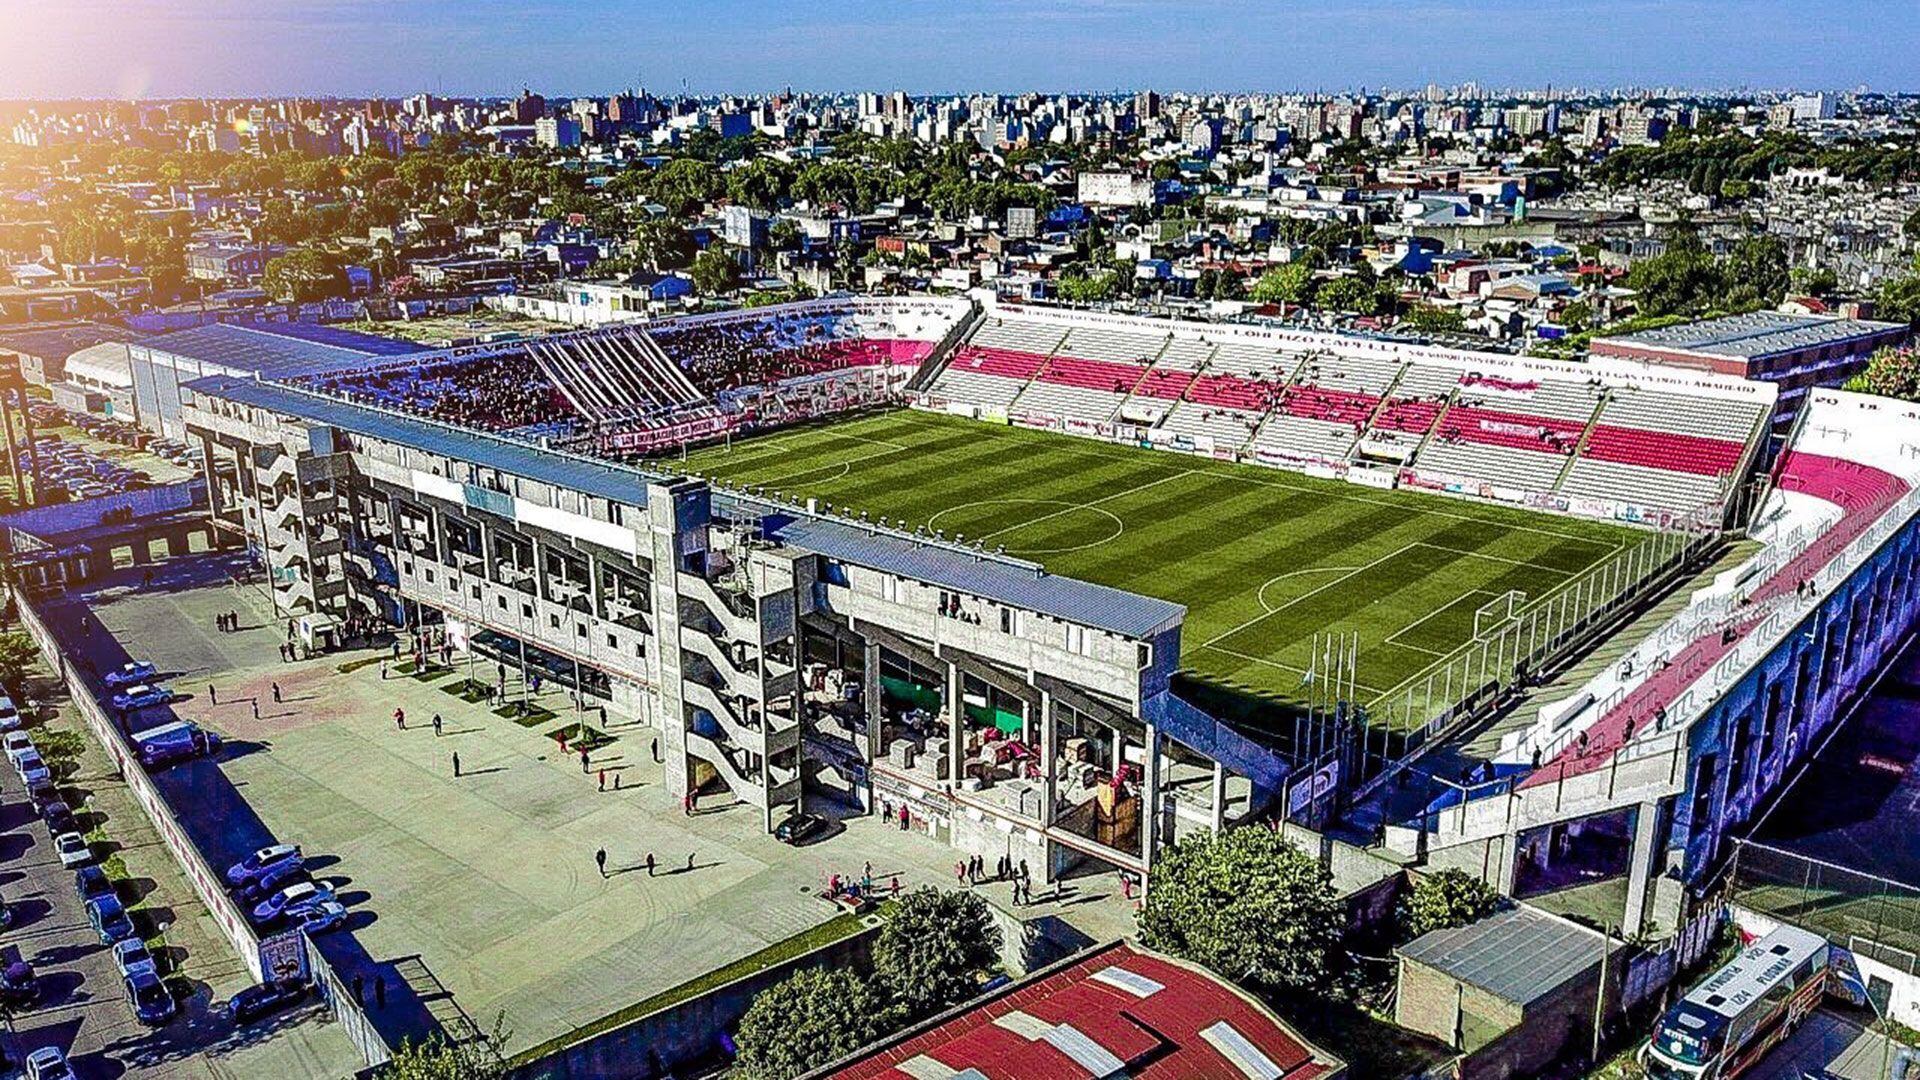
(726, 356)
(506, 392)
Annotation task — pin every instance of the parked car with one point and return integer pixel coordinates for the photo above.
(271, 880)
(42, 792)
(33, 770)
(58, 817)
(131, 673)
(151, 1002)
(324, 916)
(798, 826)
(10, 718)
(109, 919)
(261, 861)
(131, 955)
(17, 743)
(18, 986)
(141, 696)
(91, 883)
(48, 1063)
(264, 999)
(72, 849)
(292, 900)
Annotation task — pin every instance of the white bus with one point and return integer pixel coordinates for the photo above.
(1726, 1024)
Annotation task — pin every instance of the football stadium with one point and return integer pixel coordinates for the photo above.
(1062, 587)
(1274, 566)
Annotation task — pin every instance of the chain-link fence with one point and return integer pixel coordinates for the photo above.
(1868, 913)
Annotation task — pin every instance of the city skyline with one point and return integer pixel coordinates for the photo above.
(90, 49)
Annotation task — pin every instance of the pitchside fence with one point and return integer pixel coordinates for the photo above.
(1870, 915)
(1515, 638)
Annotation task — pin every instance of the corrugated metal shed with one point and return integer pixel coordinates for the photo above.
(1520, 955)
(274, 350)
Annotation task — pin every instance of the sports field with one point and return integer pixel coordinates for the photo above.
(1262, 559)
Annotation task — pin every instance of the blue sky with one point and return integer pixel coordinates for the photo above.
(120, 48)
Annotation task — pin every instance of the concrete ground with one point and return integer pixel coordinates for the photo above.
(481, 892)
(86, 1013)
(1829, 1046)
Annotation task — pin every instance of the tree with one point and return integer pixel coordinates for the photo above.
(1899, 300)
(1080, 287)
(1445, 900)
(1890, 373)
(661, 243)
(1247, 904)
(18, 656)
(437, 1058)
(933, 948)
(808, 1019)
(714, 272)
(1427, 319)
(306, 273)
(1576, 316)
(1289, 284)
(1349, 293)
(1755, 273)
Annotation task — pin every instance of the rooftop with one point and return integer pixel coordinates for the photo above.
(1753, 335)
(48, 342)
(1119, 1010)
(1017, 583)
(1521, 954)
(276, 350)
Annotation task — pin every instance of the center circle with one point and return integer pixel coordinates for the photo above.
(1063, 521)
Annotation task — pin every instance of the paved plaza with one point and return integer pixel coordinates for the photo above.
(481, 892)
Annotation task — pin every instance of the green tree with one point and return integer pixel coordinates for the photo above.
(1891, 373)
(1247, 904)
(1288, 284)
(305, 273)
(714, 272)
(661, 243)
(683, 184)
(1899, 300)
(1080, 287)
(1349, 293)
(808, 1019)
(1427, 319)
(1755, 273)
(18, 656)
(933, 948)
(1445, 900)
(438, 1058)
(1576, 316)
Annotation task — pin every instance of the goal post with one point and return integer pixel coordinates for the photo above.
(1492, 614)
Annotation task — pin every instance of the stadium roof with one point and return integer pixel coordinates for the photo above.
(1753, 335)
(1521, 954)
(60, 342)
(1017, 584)
(1122, 612)
(277, 350)
(1115, 1011)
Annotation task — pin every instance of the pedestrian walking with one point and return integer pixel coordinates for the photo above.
(583, 762)
(603, 779)
(656, 749)
(213, 698)
(903, 817)
(276, 693)
(616, 781)
(600, 858)
(895, 889)
(689, 861)
(686, 803)
(456, 763)
(436, 725)
(960, 872)
(383, 669)
(255, 702)
(649, 864)
(1025, 874)
(400, 719)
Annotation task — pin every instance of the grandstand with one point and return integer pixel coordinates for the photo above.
(1601, 440)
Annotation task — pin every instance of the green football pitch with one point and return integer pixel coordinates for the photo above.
(1262, 559)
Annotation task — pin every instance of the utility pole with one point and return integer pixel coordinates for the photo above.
(1600, 991)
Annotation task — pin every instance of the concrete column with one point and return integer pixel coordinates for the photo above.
(1641, 861)
(870, 698)
(1049, 760)
(1150, 790)
(956, 706)
(1219, 798)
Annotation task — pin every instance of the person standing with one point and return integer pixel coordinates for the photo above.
(649, 864)
(456, 763)
(400, 719)
(436, 725)
(689, 862)
(583, 762)
(276, 693)
(212, 697)
(603, 779)
(600, 859)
